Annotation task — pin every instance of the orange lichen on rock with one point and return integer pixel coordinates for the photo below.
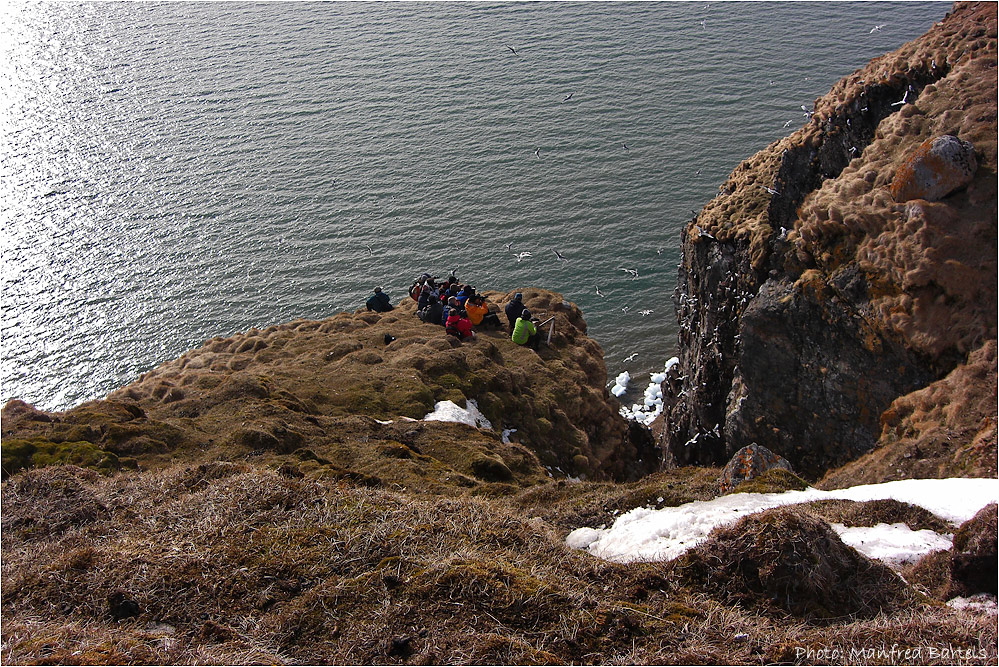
(935, 169)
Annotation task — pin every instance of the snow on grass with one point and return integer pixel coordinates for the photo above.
(448, 411)
(646, 534)
(982, 602)
(894, 544)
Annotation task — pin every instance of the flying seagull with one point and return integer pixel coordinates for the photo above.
(513, 50)
(625, 146)
(904, 100)
(537, 153)
(630, 357)
(876, 28)
(645, 312)
(369, 249)
(599, 293)
(633, 272)
(567, 97)
(788, 123)
(522, 255)
(509, 246)
(560, 256)
(770, 190)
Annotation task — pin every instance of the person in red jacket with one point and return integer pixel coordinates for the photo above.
(459, 325)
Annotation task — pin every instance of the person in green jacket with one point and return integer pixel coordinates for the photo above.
(524, 331)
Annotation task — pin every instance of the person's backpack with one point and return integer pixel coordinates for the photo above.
(452, 331)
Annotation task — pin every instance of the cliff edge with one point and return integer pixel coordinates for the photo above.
(347, 396)
(833, 306)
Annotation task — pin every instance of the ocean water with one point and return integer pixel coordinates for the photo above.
(174, 172)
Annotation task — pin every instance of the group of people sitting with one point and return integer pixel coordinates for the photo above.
(458, 308)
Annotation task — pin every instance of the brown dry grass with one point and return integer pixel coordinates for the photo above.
(233, 564)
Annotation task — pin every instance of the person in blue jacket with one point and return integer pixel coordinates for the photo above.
(467, 291)
(379, 301)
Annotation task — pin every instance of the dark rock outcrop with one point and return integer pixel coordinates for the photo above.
(809, 300)
(973, 563)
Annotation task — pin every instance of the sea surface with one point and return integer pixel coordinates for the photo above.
(170, 172)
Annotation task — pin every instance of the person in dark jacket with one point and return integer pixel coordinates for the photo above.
(514, 309)
(433, 312)
(424, 299)
(379, 301)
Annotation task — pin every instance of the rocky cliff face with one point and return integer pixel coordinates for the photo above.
(811, 300)
(348, 395)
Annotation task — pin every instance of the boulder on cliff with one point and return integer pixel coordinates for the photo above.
(749, 463)
(937, 167)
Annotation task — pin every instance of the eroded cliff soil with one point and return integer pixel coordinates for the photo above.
(825, 320)
(338, 398)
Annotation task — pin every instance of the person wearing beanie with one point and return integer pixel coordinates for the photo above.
(514, 309)
(379, 301)
(524, 331)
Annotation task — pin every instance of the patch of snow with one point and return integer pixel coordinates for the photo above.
(895, 544)
(383, 423)
(448, 411)
(982, 602)
(582, 538)
(649, 534)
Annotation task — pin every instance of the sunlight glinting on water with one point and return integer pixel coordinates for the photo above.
(173, 172)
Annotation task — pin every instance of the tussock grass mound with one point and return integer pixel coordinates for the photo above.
(873, 512)
(788, 560)
(228, 563)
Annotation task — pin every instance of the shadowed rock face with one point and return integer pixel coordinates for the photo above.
(809, 299)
